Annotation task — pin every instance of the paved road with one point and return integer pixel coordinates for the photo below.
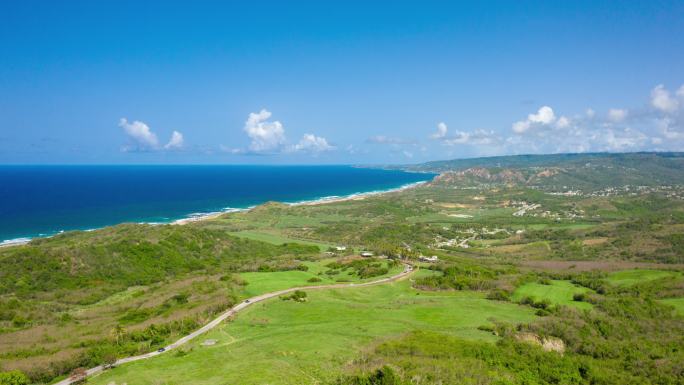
(408, 269)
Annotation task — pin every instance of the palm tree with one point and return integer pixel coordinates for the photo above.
(118, 332)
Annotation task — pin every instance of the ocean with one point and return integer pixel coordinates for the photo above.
(45, 200)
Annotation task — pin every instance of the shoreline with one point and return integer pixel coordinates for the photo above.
(197, 217)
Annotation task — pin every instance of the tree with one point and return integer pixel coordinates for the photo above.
(13, 377)
(118, 332)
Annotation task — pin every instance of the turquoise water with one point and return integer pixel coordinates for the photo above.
(44, 200)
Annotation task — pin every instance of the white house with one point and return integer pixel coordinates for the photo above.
(433, 258)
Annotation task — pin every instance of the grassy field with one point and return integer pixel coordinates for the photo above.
(277, 239)
(678, 304)
(632, 277)
(284, 342)
(259, 283)
(61, 299)
(558, 293)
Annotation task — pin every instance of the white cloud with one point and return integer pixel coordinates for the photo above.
(175, 142)
(661, 99)
(441, 131)
(382, 139)
(312, 143)
(668, 128)
(659, 126)
(268, 137)
(477, 137)
(543, 117)
(521, 126)
(142, 138)
(622, 140)
(140, 133)
(563, 122)
(617, 115)
(265, 135)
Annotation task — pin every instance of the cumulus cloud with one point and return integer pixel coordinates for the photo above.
(656, 126)
(480, 142)
(441, 131)
(544, 116)
(661, 99)
(268, 137)
(265, 135)
(617, 114)
(313, 144)
(659, 126)
(175, 142)
(141, 137)
(476, 137)
(140, 133)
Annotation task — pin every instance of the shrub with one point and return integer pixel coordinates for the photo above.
(314, 279)
(298, 296)
(13, 377)
(499, 295)
(579, 297)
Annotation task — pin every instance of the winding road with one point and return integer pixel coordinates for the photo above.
(408, 269)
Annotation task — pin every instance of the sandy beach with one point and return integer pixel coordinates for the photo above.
(326, 200)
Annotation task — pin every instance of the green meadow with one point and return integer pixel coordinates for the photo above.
(677, 303)
(277, 239)
(557, 292)
(286, 342)
(266, 282)
(632, 277)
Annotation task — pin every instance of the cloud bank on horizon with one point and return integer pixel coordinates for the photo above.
(656, 126)
(337, 82)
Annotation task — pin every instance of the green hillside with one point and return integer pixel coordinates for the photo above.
(580, 171)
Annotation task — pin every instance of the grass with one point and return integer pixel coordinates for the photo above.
(284, 342)
(632, 277)
(277, 239)
(558, 293)
(678, 304)
(259, 283)
(572, 225)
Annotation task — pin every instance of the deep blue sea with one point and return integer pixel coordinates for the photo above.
(44, 200)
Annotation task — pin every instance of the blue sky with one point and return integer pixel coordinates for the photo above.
(336, 82)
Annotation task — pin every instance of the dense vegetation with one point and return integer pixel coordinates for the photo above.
(128, 255)
(628, 337)
(592, 171)
(64, 285)
(584, 264)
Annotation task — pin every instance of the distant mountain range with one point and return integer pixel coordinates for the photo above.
(591, 170)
